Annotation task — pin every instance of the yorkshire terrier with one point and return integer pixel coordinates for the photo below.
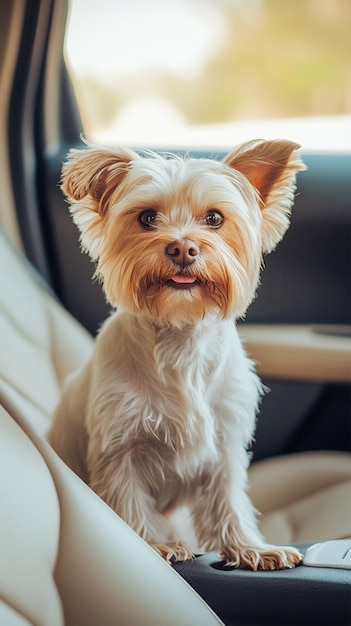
(163, 413)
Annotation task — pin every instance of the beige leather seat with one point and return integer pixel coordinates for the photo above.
(65, 557)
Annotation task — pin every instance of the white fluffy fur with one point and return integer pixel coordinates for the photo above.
(163, 413)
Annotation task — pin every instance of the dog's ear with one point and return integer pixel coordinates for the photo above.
(95, 172)
(89, 178)
(271, 167)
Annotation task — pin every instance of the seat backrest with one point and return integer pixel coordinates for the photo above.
(40, 343)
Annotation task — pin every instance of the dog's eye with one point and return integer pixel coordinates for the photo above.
(214, 218)
(147, 218)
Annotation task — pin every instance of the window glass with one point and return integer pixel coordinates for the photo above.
(212, 73)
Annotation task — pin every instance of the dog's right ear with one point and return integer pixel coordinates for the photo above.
(95, 172)
(89, 179)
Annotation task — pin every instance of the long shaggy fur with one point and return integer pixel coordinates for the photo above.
(162, 414)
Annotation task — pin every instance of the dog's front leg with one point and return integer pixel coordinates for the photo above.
(118, 477)
(225, 521)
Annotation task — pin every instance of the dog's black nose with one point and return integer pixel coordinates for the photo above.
(183, 251)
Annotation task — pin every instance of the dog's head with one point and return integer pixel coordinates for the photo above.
(180, 238)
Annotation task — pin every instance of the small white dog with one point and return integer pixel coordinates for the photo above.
(162, 414)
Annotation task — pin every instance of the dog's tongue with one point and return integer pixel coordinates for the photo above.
(181, 278)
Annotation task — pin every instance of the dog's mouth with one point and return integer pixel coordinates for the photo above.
(182, 281)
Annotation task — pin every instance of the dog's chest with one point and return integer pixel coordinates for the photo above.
(187, 381)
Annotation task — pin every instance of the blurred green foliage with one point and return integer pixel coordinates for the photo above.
(281, 58)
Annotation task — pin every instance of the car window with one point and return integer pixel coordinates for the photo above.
(212, 72)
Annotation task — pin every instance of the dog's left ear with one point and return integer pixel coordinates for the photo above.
(271, 167)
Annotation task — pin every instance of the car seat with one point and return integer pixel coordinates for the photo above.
(65, 557)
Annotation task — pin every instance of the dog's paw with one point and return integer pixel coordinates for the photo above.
(265, 557)
(173, 551)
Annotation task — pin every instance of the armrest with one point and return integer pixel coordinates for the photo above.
(299, 352)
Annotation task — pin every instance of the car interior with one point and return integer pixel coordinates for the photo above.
(65, 557)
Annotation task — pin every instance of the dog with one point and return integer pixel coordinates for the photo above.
(163, 413)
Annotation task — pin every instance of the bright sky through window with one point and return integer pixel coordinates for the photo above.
(212, 73)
